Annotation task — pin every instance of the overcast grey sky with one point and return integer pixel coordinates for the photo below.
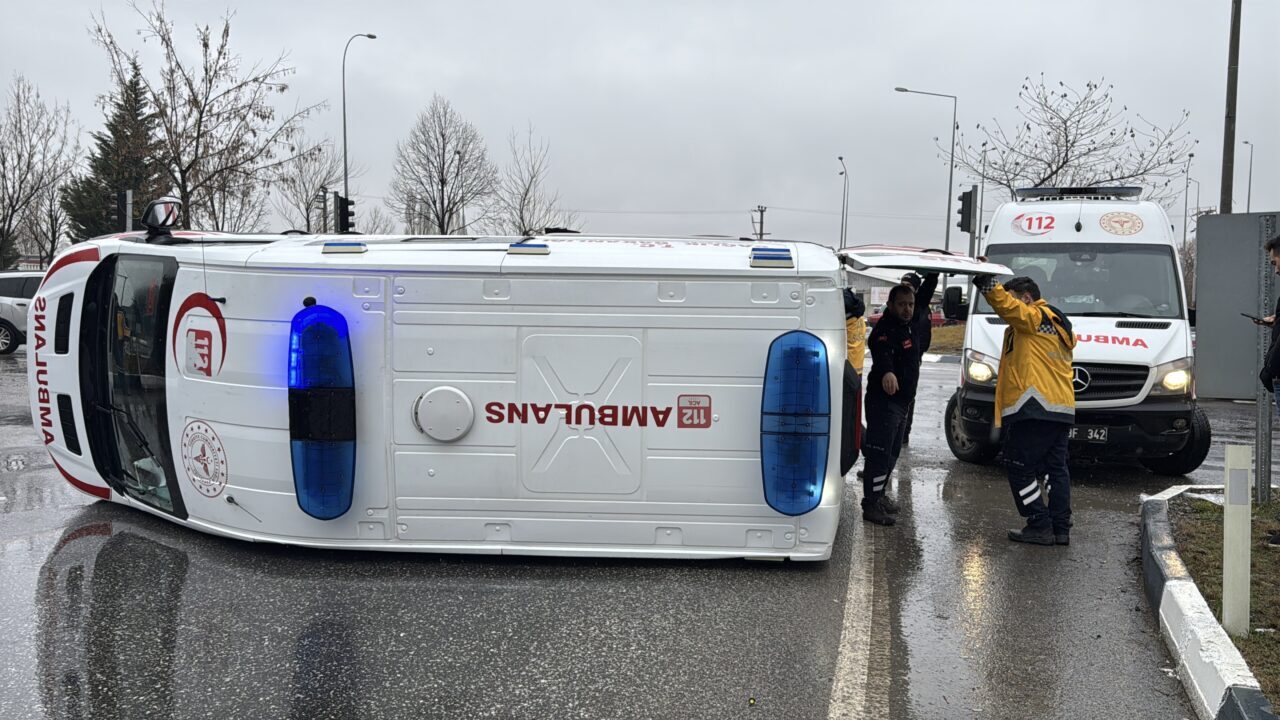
(678, 117)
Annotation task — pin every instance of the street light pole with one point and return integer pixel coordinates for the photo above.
(844, 207)
(1186, 194)
(951, 167)
(346, 191)
(1248, 203)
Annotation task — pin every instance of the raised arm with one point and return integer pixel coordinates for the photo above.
(1018, 314)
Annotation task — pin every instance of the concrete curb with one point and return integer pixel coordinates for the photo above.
(936, 358)
(1215, 675)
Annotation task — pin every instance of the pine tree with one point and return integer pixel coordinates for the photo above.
(124, 157)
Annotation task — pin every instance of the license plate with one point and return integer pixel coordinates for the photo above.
(1088, 433)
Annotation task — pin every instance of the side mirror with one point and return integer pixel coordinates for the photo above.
(160, 216)
(953, 305)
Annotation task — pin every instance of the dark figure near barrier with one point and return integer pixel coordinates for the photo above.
(891, 387)
(851, 418)
(922, 322)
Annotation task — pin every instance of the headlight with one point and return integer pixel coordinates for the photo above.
(979, 369)
(1173, 378)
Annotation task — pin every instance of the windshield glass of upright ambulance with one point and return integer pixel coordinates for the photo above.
(1105, 279)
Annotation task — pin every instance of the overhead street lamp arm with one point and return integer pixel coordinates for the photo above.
(922, 92)
(346, 191)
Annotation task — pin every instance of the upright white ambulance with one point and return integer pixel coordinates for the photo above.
(1110, 262)
(562, 395)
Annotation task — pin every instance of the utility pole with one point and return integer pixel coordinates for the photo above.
(759, 227)
(1229, 124)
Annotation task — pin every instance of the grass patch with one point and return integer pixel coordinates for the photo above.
(947, 339)
(1197, 530)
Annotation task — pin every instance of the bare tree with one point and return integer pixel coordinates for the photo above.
(302, 179)
(38, 148)
(216, 122)
(376, 221)
(442, 172)
(1064, 137)
(522, 203)
(235, 205)
(44, 227)
(1187, 253)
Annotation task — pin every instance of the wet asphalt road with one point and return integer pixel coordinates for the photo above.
(106, 612)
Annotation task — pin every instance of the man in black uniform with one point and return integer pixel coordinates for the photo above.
(922, 322)
(891, 386)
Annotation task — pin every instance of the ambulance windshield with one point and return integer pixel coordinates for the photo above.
(124, 355)
(1096, 280)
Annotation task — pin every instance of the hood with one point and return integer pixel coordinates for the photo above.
(1102, 339)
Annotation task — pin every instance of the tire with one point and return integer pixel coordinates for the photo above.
(9, 340)
(1191, 455)
(962, 446)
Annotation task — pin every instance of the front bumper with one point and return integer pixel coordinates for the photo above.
(1145, 429)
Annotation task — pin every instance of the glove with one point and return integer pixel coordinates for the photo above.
(985, 283)
(1267, 381)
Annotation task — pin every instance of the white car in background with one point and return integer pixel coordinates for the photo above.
(16, 291)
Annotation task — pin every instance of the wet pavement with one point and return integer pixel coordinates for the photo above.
(106, 612)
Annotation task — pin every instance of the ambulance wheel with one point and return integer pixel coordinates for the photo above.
(962, 446)
(8, 338)
(1191, 455)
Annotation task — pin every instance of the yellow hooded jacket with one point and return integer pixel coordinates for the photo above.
(856, 339)
(1035, 360)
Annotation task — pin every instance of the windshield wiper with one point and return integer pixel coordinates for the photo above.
(1114, 313)
(129, 422)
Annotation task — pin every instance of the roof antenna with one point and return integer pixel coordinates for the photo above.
(1079, 225)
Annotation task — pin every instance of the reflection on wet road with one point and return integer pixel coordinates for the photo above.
(108, 612)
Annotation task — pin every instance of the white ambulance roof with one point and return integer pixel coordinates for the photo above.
(565, 254)
(1054, 219)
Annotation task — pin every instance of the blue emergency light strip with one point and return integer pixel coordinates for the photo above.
(528, 248)
(334, 247)
(795, 423)
(771, 257)
(322, 412)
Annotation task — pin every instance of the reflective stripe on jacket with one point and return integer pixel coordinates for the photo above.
(856, 329)
(1035, 360)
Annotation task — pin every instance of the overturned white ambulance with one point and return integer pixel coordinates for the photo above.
(553, 395)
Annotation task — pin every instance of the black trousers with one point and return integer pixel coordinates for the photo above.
(850, 419)
(886, 423)
(1033, 448)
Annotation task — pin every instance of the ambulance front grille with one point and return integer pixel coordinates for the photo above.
(1111, 381)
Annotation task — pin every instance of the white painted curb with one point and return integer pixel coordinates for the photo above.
(1210, 667)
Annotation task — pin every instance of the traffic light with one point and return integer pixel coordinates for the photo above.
(967, 218)
(346, 214)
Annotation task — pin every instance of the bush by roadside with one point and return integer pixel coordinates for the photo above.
(947, 339)
(1197, 529)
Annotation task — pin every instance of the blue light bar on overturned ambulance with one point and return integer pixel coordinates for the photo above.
(795, 423)
(762, 257)
(322, 411)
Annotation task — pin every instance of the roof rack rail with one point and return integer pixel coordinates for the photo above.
(1092, 193)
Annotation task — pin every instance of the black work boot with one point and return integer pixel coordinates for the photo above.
(888, 505)
(1036, 535)
(1061, 537)
(872, 511)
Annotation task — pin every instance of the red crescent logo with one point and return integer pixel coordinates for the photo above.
(206, 303)
(81, 255)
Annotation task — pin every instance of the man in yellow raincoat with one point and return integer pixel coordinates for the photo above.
(1035, 403)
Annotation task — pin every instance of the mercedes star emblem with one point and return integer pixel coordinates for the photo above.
(1080, 378)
